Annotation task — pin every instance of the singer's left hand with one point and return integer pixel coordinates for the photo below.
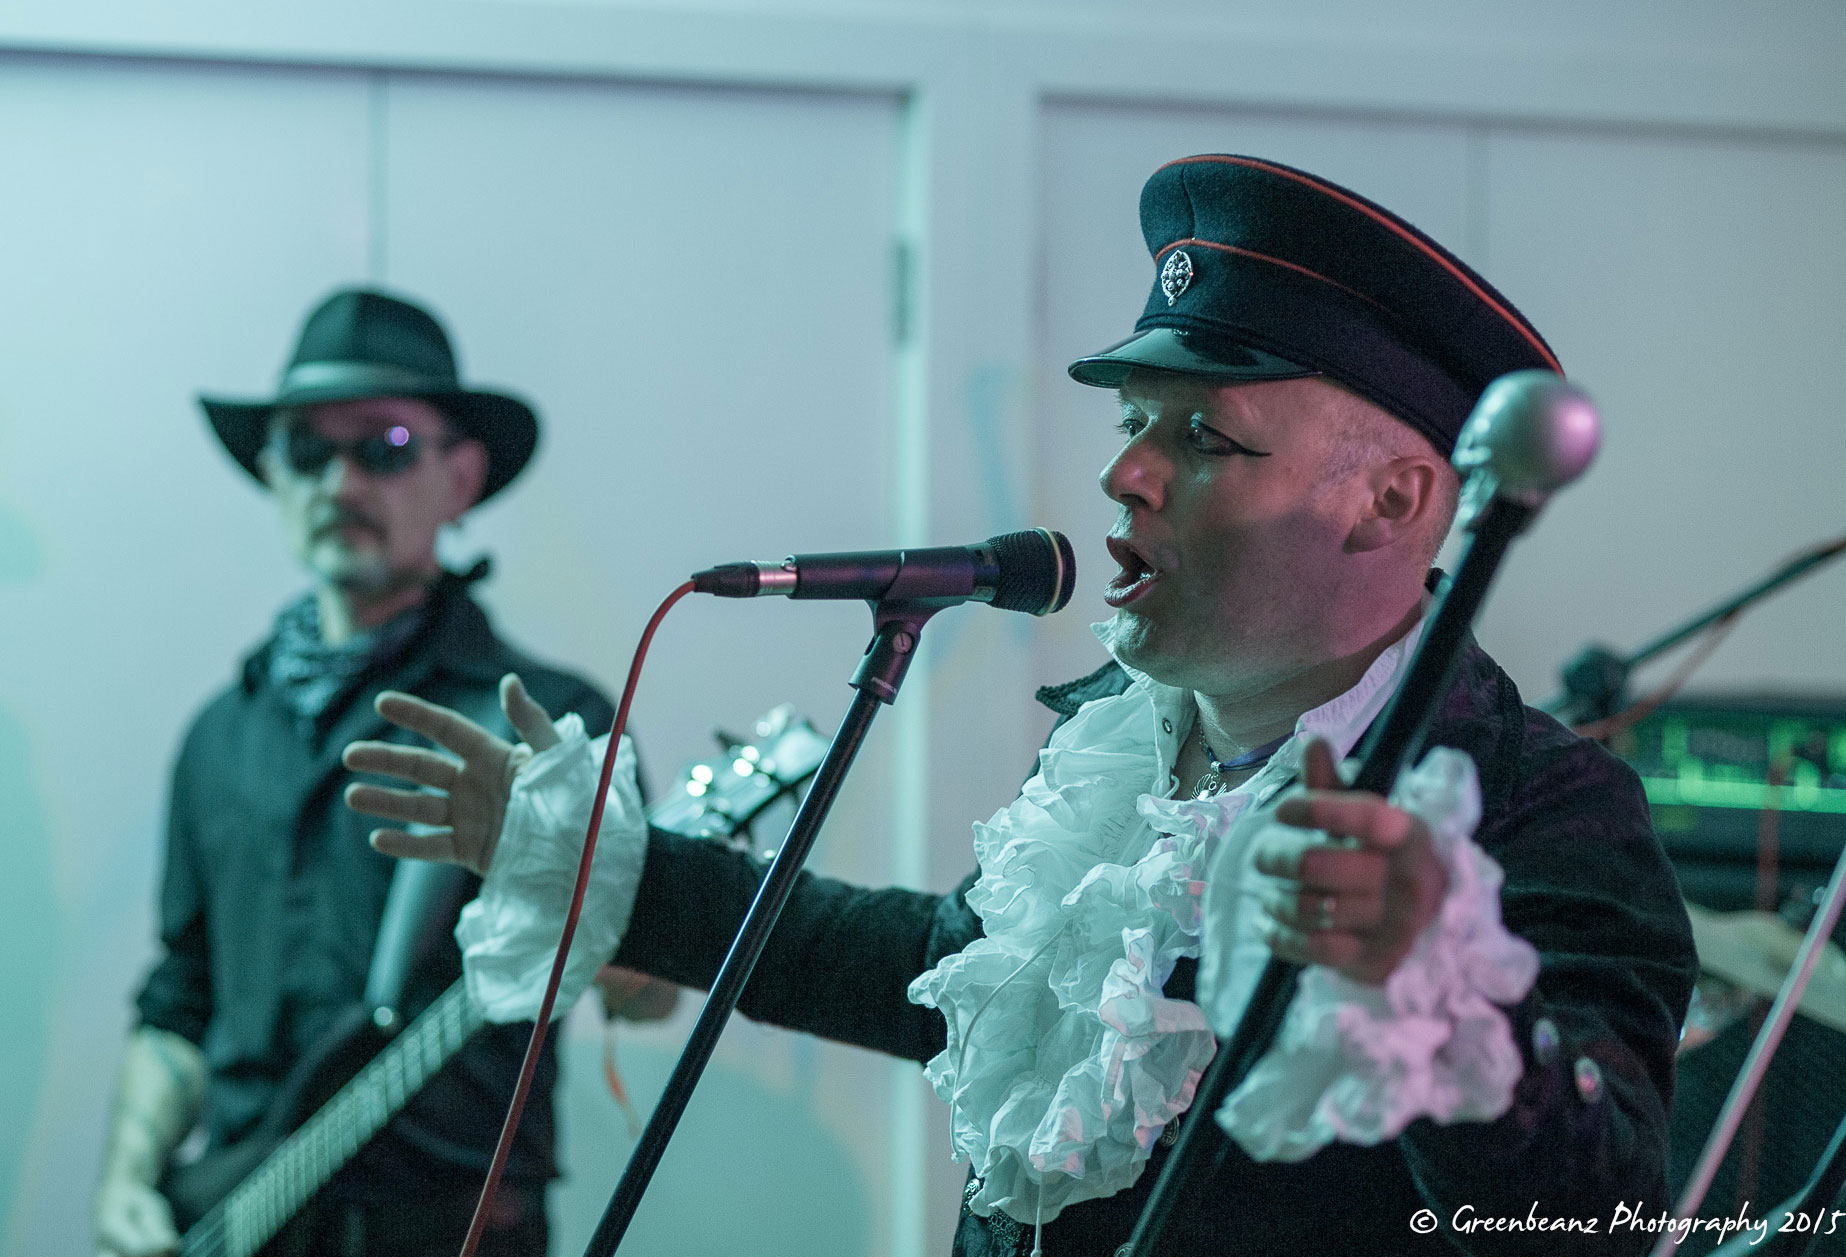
(1354, 895)
(462, 795)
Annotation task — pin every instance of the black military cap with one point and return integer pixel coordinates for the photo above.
(357, 344)
(1268, 272)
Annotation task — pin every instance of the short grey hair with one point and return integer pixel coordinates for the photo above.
(1366, 434)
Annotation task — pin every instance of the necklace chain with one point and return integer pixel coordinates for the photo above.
(1213, 779)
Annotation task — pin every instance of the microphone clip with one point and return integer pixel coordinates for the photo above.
(897, 630)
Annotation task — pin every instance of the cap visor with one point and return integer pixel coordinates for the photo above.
(1192, 353)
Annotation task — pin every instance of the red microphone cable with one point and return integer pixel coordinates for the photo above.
(530, 1064)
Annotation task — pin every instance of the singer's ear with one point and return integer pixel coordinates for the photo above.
(1401, 501)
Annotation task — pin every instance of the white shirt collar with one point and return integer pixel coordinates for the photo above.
(1341, 720)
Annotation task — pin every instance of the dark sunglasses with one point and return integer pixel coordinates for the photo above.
(386, 453)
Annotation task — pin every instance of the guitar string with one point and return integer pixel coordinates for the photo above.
(263, 1205)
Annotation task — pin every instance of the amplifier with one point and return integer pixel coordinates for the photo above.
(1723, 769)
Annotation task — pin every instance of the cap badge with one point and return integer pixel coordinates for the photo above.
(1176, 275)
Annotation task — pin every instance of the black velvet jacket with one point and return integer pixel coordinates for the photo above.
(271, 898)
(1586, 884)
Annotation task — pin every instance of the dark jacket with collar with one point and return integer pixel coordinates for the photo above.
(1586, 884)
(271, 898)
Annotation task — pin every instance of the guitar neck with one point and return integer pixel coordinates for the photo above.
(718, 800)
(260, 1205)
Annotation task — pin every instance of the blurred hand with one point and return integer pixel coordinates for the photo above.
(471, 784)
(1356, 898)
(635, 996)
(132, 1219)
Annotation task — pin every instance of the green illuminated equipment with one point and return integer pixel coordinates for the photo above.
(1722, 771)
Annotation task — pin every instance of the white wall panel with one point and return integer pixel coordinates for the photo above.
(1697, 287)
(163, 230)
(694, 287)
(1773, 64)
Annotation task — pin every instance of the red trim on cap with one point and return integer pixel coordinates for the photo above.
(1396, 228)
(1264, 257)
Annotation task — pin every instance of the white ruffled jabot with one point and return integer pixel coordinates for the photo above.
(1065, 1060)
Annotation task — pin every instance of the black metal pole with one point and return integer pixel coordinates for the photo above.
(1822, 1190)
(1813, 1200)
(880, 674)
(1789, 571)
(1596, 677)
(1395, 739)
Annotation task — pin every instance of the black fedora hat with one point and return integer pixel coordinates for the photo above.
(1263, 271)
(359, 343)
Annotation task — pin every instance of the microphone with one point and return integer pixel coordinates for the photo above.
(1033, 571)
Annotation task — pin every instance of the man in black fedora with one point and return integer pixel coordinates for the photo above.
(1480, 1054)
(271, 899)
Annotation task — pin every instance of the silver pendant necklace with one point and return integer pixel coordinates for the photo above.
(1214, 778)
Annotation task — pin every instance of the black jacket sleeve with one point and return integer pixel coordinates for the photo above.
(838, 963)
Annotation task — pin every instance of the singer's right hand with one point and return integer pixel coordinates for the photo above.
(463, 794)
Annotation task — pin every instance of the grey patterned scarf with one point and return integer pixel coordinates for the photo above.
(309, 675)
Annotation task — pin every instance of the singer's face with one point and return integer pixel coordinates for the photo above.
(364, 487)
(1231, 529)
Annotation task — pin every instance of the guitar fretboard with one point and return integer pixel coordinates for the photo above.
(259, 1206)
(718, 799)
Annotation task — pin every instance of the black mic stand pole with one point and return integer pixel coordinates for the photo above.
(1786, 1237)
(1596, 677)
(1822, 1190)
(1530, 434)
(879, 675)
(1756, 1065)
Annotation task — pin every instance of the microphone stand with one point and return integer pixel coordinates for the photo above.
(1782, 1237)
(1529, 435)
(1756, 1065)
(1596, 677)
(880, 673)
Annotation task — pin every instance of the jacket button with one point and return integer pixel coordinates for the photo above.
(1589, 1080)
(1170, 1135)
(1545, 1040)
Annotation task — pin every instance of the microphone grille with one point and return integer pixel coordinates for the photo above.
(1038, 571)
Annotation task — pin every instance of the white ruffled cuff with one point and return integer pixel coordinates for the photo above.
(1358, 1063)
(509, 935)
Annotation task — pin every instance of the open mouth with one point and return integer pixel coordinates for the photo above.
(1136, 578)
